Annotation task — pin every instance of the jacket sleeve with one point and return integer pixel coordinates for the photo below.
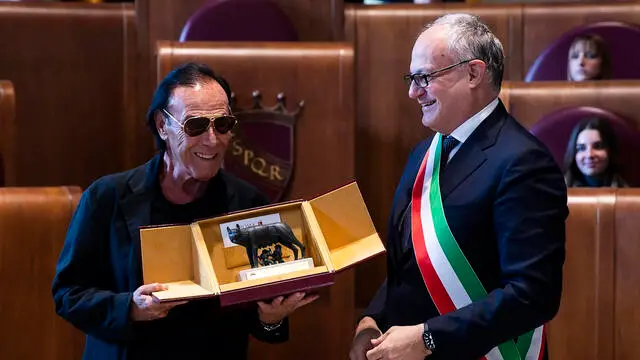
(529, 219)
(275, 336)
(377, 308)
(84, 273)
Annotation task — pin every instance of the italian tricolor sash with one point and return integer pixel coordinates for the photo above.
(450, 280)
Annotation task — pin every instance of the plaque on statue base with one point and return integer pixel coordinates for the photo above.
(263, 252)
(277, 269)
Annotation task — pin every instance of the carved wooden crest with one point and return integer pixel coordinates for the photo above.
(262, 149)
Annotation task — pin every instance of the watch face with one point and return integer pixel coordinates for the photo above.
(427, 338)
(271, 327)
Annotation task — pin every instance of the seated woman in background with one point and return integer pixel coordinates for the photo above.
(589, 59)
(591, 156)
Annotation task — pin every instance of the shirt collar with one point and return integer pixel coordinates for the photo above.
(462, 132)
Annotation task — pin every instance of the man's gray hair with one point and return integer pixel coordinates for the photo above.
(469, 38)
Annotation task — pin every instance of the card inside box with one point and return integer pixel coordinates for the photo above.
(335, 229)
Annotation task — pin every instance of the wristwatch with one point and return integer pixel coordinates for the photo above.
(427, 338)
(271, 327)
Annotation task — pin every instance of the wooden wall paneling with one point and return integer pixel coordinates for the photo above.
(67, 65)
(155, 20)
(583, 328)
(528, 102)
(7, 133)
(321, 74)
(134, 132)
(627, 275)
(33, 224)
(316, 20)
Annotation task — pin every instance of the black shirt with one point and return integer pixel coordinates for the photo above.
(200, 329)
(100, 267)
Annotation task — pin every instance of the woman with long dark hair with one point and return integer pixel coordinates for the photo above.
(591, 159)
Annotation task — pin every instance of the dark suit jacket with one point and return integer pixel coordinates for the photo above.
(506, 203)
(100, 268)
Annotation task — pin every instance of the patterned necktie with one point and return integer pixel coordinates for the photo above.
(448, 144)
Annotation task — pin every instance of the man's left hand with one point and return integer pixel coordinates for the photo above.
(281, 307)
(399, 342)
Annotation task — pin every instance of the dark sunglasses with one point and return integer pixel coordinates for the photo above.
(422, 80)
(198, 125)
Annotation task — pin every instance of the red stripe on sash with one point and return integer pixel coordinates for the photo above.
(435, 287)
(543, 343)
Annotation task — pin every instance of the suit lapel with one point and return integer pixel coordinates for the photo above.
(466, 161)
(405, 188)
(471, 156)
(136, 209)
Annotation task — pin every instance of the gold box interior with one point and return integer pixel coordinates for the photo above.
(335, 229)
(228, 262)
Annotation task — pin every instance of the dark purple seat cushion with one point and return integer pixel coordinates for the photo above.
(621, 40)
(554, 130)
(239, 20)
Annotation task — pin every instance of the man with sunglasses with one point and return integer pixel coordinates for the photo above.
(98, 285)
(476, 231)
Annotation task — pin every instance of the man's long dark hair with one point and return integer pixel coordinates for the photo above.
(188, 74)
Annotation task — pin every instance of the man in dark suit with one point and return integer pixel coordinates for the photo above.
(477, 228)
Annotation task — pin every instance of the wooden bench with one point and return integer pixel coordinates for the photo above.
(33, 224)
(599, 317)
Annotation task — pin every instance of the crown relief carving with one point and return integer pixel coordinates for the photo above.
(279, 107)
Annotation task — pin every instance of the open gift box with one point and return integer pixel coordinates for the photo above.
(198, 260)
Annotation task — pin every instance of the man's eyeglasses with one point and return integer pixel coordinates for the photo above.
(422, 80)
(198, 125)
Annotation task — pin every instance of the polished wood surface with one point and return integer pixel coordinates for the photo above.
(69, 64)
(627, 275)
(529, 102)
(599, 316)
(7, 126)
(315, 20)
(33, 224)
(583, 328)
(320, 74)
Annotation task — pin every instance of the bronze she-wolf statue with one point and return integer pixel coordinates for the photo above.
(258, 236)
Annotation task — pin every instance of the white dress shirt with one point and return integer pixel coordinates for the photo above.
(462, 132)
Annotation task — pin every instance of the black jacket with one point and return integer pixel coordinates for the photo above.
(100, 268)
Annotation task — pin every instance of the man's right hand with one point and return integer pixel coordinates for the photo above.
(144, 308)
(366, 331)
